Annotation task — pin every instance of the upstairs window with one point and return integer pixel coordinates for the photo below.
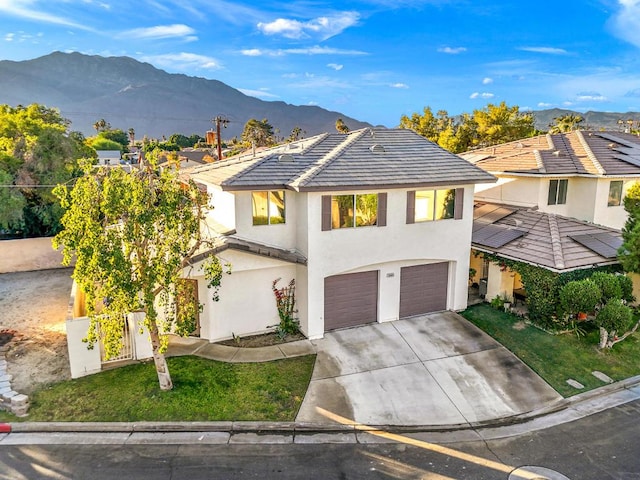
(431, 205)
(615, 193)
(268, 207)
(557, 192)
(354, 210)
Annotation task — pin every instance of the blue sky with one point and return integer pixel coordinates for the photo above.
(374, 60)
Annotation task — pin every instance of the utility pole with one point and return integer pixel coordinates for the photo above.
(220, 120)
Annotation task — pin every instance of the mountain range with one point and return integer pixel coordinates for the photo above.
(131, 94)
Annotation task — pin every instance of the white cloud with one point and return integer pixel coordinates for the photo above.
(545, 105)
(481, 95)
(258, 93)
(320, 27)
(9, 37)
(31, 10)
(181, 61)
(161, 31)
(487, 80)
(316, 50)
(399, 85)
(452, 50)
(590, 97)
(252, 52)
(548, 50)
(337, 67)
(625, 24)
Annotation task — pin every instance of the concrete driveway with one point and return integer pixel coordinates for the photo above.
(436, 369)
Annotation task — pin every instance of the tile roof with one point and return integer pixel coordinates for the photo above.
(549, 240)
(366, 158)
(572, 153)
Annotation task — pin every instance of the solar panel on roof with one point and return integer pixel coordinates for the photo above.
(491, 213)
(496, 236)
(604, 244)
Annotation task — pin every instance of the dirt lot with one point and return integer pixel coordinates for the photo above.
(34, 305)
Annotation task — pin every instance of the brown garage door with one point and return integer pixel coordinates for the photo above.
(350, 300)
(423, 289)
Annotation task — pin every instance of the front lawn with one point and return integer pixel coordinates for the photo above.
(557, 358)
(204, 390)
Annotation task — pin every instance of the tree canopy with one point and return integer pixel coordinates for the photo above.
(258, 132)
(490, 125)
(37, 151)
(629, 253)
(132, 234)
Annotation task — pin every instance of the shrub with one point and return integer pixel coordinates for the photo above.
(579, 296)
(615, 316)
(626, 288)
(608, 284)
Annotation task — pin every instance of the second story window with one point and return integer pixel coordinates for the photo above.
(557, 192)
(354, 210)
(268, 207)
(615, 193)
(430, 205)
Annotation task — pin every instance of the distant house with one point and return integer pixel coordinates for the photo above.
(109, 157)
(583, 175)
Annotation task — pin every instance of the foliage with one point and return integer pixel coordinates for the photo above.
(491, 125)
(629, 253)
(132, 233)
(341, 126)
(296, 134)
(36, 151)
(206, 390)
(609, 286)
(580, 296)
(626, 288)
(285, 303)
(614, 318)
(100, 143)
(116, 135)
(258, 132)
(497, 302)
(566, 123)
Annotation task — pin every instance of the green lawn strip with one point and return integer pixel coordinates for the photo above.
(557, 358)
(204, 390)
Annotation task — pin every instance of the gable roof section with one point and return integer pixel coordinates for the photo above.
(573, 153)
(551, 241)
(362, 159)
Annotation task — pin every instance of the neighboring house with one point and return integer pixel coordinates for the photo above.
(374, 225)
(553, 242)
(580, 174)
(108, 157)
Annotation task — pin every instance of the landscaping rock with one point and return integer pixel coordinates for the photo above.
(603, 377)
(575, 384)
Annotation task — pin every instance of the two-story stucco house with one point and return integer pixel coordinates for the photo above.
(373, 225)
(582, 175)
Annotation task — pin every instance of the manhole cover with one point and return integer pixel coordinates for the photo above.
(536, 473)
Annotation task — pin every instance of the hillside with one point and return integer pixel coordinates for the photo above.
(592, 120)
(132, 94)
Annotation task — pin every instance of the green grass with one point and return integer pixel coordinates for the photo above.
(556, 358)
(204, 390)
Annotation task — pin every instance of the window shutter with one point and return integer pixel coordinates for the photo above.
(411, 207)
(382, 210)
(326, 213)
(459, 204)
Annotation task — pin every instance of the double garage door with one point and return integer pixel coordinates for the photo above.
(352, 299)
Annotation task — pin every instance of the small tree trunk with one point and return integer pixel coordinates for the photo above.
(604, 336)
(164, 377)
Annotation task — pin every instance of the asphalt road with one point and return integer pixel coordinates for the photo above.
(603, 446)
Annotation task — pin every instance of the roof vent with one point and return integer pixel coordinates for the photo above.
(285, 158)
(377, 148)
(557, 153)
(613, 145)
(520, 145)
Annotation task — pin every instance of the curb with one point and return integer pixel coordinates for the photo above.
(301, 428)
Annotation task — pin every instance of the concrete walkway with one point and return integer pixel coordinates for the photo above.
(432, 370)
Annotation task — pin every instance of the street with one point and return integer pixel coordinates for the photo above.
(598, 447)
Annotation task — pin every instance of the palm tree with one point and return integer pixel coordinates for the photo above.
(132, 136)
(566, 123)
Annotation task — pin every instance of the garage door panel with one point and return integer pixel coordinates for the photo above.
(350, 299)
(423, 289)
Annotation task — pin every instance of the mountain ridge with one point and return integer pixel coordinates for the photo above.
(132, 94)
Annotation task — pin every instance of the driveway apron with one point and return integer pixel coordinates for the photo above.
(435, 369)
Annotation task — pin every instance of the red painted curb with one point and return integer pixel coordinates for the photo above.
(5, 428)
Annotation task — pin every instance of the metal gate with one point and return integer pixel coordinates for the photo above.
(127, 346)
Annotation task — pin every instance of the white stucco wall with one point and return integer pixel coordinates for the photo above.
(519, 191)
(386, 249)
(500, 283)
(224, 207)
(27, 254)
(614, 217)
(247, 304)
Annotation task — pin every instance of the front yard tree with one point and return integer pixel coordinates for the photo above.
(615, 321)
(629, 253)
(132, 233)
